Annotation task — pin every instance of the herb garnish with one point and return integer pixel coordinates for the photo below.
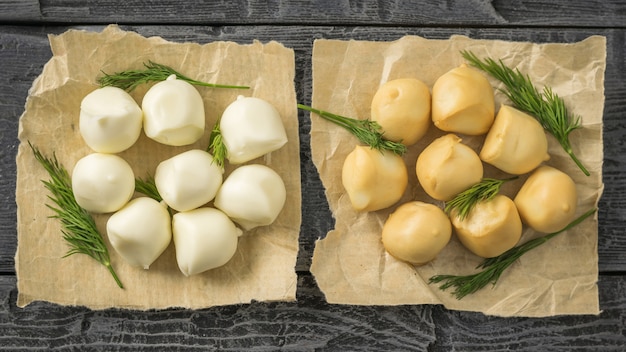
(494, 267)
(78, 226)
(546, 106)
(367, 131)
(216, 145)
(131, 79)
(148, 187)
(465, 201)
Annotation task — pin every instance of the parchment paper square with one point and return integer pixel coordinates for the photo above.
(350, 264)
(262, 269)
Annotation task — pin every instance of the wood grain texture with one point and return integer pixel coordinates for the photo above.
(579, 13)
(462, 331)
(311, 324)
(22, 56)
(306, 325)
(19, 42)
(20, 10)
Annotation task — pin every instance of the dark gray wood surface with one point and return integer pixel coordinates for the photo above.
(311, 323)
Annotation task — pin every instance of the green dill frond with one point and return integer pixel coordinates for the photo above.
(492, 268)
(217, 148)
(465, 201)
(153, 72)
(78, 226)
(546, 106)
(148, 187)
(367, 131)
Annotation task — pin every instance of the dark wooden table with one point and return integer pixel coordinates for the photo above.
(311, 323)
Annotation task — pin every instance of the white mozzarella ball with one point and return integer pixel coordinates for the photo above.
(102, 183)
(188, 180)
(252, 195)
(140, 231)
(251, 127)
(173, 112)
(110, 120)
(205, 238)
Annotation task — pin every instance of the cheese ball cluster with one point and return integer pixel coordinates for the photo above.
(461, 103)
(198, 208)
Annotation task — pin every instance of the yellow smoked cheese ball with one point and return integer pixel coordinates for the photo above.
(373, 179)
(491, 228)
(416, 232)
(446, 167)
(402, 108)
(463, 102)
(516, 142)
(547, 200)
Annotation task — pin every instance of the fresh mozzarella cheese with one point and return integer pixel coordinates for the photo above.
(102, 183)
(140, 231)
(204, 238)
(252, 195)
(188, 180)
(110, 120)
(251, 127)
(173, 112)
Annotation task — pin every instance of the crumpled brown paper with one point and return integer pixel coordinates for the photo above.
(262, 269)
(350, 264)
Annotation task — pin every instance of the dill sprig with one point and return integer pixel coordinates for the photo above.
(367, 131)
(494, 267)
(546, 106)
(148, 187)
(153, 72)
(78, 226)
(465, 201)
(216, 145)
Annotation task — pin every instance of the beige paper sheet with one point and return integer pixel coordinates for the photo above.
(350, 264)
(263, 268)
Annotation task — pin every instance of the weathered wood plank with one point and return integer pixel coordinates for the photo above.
(308, 324)
(459, 331)
(597, 13)
(311, 323)
(22, 55)
(20, 10)
(25, 50)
